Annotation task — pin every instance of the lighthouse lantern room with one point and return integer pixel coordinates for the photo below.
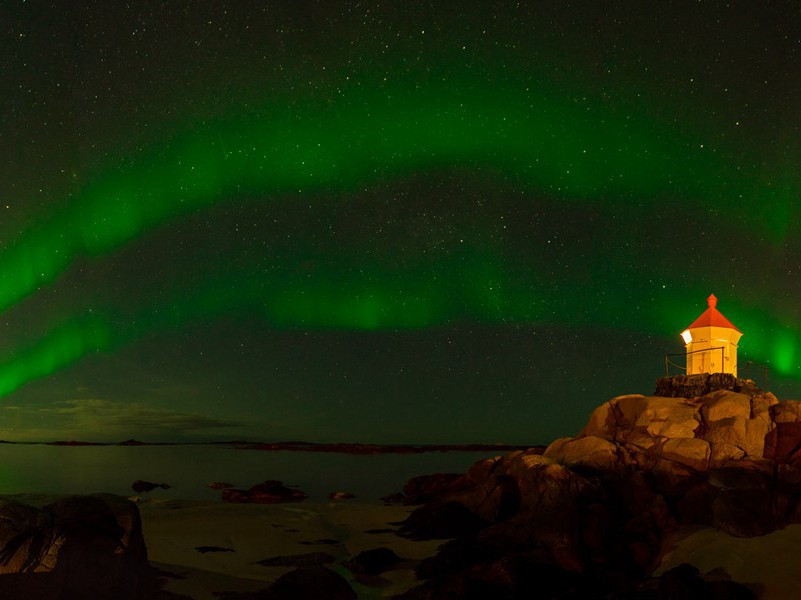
(711, 342)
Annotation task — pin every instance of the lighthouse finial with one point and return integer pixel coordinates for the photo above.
(711, 301)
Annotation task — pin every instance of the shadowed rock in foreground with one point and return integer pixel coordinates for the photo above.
(74, 548)
(587, 517)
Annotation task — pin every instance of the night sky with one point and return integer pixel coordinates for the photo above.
(371, 221)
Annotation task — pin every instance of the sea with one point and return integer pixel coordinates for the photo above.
(188, 469)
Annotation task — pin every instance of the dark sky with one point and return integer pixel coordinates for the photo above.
(386, 222)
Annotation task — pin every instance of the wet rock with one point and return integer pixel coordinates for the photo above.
(219, 485)
(269, 492)
(341, 496)
(140, 486)
(427, 488)
(207, 549)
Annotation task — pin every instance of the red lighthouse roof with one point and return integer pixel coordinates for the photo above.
(712, 317)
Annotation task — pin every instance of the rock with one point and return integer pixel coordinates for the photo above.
(761, 403)
(725, 404)
(693, 453)
(441, 520)
(372, 562)
(341, 496)
(427, 488)
(219, 485)
(756, 430)
(683, 582)
(311, 583)
(75, 547)
(298, 560)
(783, 443)
(633, 416)
(269, 492)
(140, 486)
(589, 452)
(787, 411)
(722, 453)
(207, 549)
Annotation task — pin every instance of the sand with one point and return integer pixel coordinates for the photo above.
(769, 564)
(174, 529)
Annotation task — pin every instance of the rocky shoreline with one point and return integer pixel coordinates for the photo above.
(590, 516)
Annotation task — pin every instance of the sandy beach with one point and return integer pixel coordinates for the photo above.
(768, 564)
(248, 533)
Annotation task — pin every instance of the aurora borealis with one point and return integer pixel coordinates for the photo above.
(340, 221)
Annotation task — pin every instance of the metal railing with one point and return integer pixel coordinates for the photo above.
(765, 372)
(668, 361)
(746, 369)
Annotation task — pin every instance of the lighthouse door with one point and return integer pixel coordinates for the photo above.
(703, 362)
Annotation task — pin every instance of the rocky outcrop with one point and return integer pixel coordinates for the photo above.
(269, 492)
(75, 547)
(718, 427)
(591, 512)
(140, 486)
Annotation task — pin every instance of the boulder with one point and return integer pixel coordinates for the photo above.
(729, 430)
(787, 411)
(761, 403)
(544, 485)
(633, 416)
(783, 442)
(668, 429)
(219, 485)
(75, 547)
(756, 430)
(725, 404)
(140, 486)
(269, 492)
(693, 453)
(589, 452)
(427, 488)
(441, 520)
(722, 453)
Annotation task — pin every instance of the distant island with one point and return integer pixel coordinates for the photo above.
(298, 446)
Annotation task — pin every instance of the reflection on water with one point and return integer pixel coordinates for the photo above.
(42, 469)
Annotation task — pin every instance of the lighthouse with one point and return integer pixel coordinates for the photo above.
(711, 342)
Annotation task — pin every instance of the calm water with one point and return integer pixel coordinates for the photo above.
(86, 469)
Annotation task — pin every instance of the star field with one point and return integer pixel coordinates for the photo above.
(362, 221)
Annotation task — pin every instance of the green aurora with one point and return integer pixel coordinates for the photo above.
(469, 171)
(588, 154)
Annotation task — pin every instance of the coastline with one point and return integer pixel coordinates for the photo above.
(173, 530)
